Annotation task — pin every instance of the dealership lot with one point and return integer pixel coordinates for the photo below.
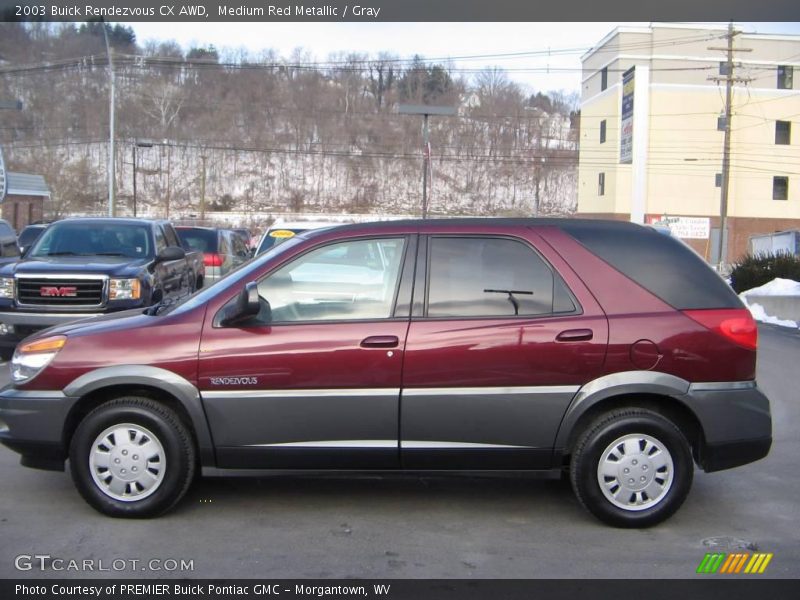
(463, 527)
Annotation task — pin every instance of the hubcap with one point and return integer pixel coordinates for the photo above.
(127, 462)
(635, 472)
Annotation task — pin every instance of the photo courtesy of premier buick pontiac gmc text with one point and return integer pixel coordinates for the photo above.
(603, 350)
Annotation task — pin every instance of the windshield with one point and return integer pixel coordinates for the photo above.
(94, 239)
(277, 236)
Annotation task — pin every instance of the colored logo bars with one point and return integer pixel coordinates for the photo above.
(735, 563)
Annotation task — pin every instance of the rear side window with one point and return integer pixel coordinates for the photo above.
(491, 277)
(661, 264)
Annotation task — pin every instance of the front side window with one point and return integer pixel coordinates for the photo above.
(491, 277)
(352, 280)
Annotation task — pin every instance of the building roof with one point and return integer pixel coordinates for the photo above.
(23, 184)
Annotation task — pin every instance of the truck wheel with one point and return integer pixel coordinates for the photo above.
(632, 468)
(132, 457)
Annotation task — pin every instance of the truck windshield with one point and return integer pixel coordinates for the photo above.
(94, 239)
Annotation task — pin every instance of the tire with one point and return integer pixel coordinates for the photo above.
(632, 468)
(6, 354)
(117, 479)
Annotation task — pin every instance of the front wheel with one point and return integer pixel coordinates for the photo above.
(632, 468)
(132, 457)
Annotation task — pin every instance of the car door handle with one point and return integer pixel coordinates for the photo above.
(380, 341)
(575, 335)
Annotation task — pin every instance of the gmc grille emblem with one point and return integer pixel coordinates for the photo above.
(48, 291)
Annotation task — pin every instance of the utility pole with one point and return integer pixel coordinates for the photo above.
(203, 190)
(112, 209)
(729, 78)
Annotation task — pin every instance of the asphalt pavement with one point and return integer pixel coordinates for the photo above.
(412, 527)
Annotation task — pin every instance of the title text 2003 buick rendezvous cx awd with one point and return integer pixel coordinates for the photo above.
(605, 349)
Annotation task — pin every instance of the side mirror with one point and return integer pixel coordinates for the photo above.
(171, 253)
(248, 304)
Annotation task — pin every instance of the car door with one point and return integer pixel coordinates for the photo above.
(497, 347)
(314, 382)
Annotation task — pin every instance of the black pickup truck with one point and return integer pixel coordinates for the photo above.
(84, 267)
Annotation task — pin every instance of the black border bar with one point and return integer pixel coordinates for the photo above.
(705, 587)
(401, 10)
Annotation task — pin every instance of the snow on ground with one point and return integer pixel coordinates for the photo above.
(776, 287)
(759, 314)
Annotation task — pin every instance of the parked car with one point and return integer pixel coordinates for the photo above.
(281, 231)
(29, 235)
(223, 250)
(87, 267)
(601, 349)
(8, 241)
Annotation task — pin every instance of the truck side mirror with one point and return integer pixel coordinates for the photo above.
(171, 253)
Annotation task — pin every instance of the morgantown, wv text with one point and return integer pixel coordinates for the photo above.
(195, 590)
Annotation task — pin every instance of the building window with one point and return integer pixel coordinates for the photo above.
(783, 132)
(601, 184)
(604, 78)
(785, 77)
(723, 67)
(718, 180)
(780, 188)
(720, 123)
(603, 131)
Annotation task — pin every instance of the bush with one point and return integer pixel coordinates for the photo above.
(755, 270)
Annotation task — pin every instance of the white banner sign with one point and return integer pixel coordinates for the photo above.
(3, 180)
(691, 228)
(626, 129)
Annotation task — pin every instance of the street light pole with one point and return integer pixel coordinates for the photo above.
(425, 111)
(111, 207)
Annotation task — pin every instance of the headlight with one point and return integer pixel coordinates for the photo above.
(6, 287)
(124, 289)
(31, 357)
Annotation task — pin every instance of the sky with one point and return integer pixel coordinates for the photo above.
(430, 40)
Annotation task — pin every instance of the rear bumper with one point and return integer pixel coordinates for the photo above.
(736, 422)
(717, 457)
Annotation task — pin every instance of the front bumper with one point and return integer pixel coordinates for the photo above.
(736, 422)
(32, 424)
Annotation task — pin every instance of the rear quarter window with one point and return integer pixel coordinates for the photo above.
(659, 263)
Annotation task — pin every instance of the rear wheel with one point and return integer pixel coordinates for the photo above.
(632, 468)
(132, 457)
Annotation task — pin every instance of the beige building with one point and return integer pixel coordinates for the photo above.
(662, 159)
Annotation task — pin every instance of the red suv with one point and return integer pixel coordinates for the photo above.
(604, 349)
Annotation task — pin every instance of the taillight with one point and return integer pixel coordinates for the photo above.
(735, 324)
(212, 260)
